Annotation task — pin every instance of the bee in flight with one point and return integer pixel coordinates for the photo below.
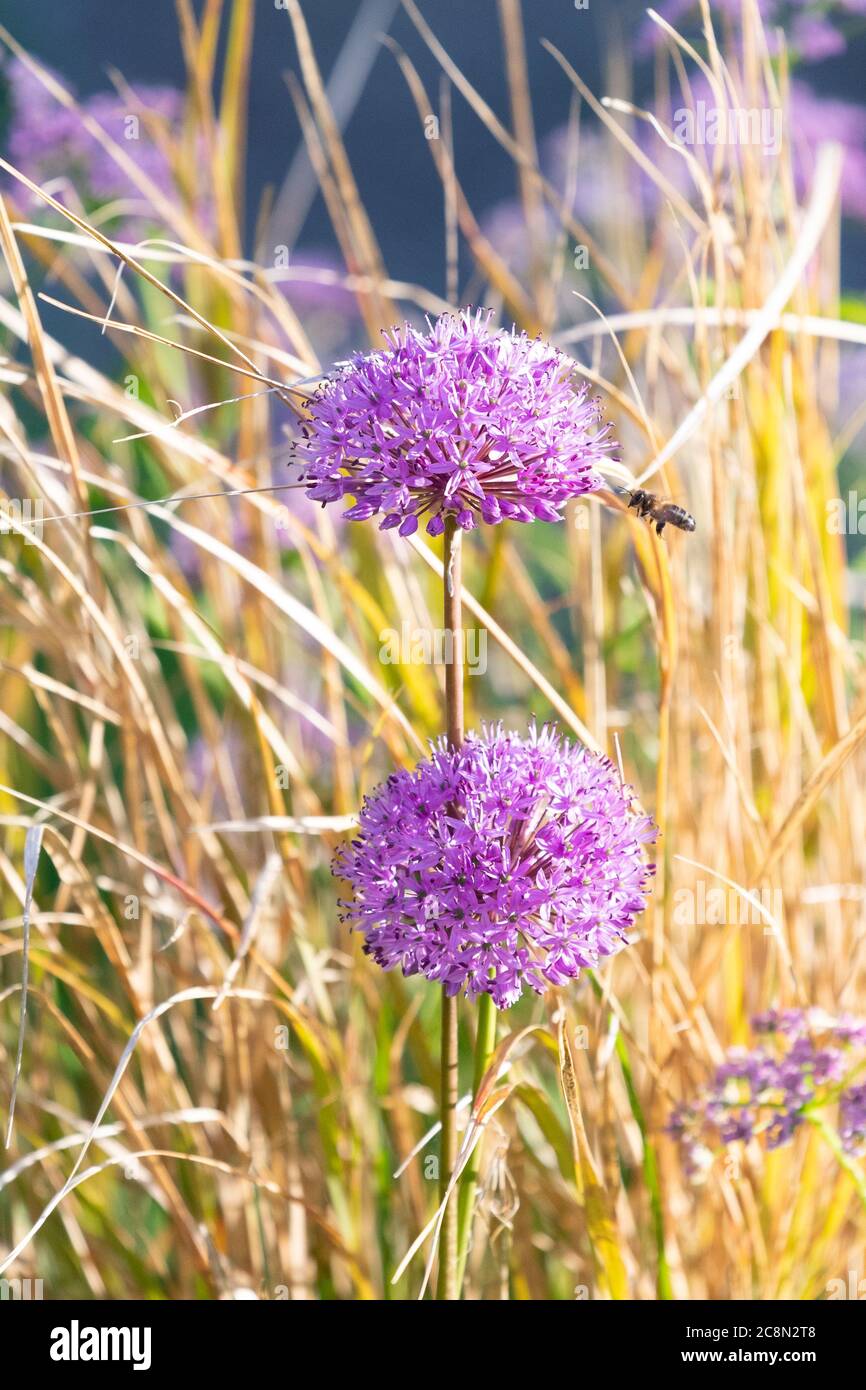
(659, 511)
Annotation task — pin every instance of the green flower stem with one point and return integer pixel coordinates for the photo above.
(851, 1167)
(446, 1287)
(447, 1283)
(485, 1044)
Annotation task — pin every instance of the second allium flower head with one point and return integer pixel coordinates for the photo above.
(465, 420)
(805, 1062)
(509, 862)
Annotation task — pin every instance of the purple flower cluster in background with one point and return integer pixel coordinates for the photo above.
(603, 175)
(766, 1092)
(48, 142)
(314, 283)
(512, 862)
(814, 120)
(814, 29)
(465, 419)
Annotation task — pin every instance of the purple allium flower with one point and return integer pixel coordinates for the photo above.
(47, 140)
(314, 283)
(766, 1092)
(37, 123)
(810, 25)
(851, 1030)
(511, 862)
(315, 280)
(49, 143)
(813, 38)
(112, 113)
(465, 420)
(790, 1021)
(814, 120)
(809, 120)
(852, 1110)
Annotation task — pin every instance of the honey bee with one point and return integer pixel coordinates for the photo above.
(663, 513)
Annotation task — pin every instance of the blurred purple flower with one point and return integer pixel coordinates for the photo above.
(313, 279)
(465, 420)
(815, 120)
(811, 27)
(38, 125)
(764, 1092)
(314, 284)
(119, 120)
(813, 38)
(853, 1119)
(48, 142)
(810, 121)
(512, 862)
(602, 169)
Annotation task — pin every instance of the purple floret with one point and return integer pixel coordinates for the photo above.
(465, 420)
(512, 862)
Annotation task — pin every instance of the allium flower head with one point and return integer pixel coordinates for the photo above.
(464, 420)
(510, 862)
(48, 141)
(805, 1064)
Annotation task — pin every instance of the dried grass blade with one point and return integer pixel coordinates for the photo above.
(600, 1218)
(32, 848)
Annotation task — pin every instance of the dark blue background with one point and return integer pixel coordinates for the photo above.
(82, 39)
